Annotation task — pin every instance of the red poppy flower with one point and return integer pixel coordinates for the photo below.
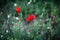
(30, 17)
(18, 9)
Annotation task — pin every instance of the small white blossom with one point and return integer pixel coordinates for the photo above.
(48, 27)
(29, 2)
(7, 31)
(15, 4)
(17, 18)
(1, 36)
(8, 16)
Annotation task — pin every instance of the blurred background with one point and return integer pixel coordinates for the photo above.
(43, 25)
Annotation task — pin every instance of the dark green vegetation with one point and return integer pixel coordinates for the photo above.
(45, 27)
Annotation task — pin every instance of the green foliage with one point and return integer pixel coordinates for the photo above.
(38, 29)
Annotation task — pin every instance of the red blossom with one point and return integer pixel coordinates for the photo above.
(30, 17)
(18, 9)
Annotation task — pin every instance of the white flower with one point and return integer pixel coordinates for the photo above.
(48, 27)
(1, 36)
(7, 31)
(15, 4)
(8, 16)
(29, 2)
(17, 18)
